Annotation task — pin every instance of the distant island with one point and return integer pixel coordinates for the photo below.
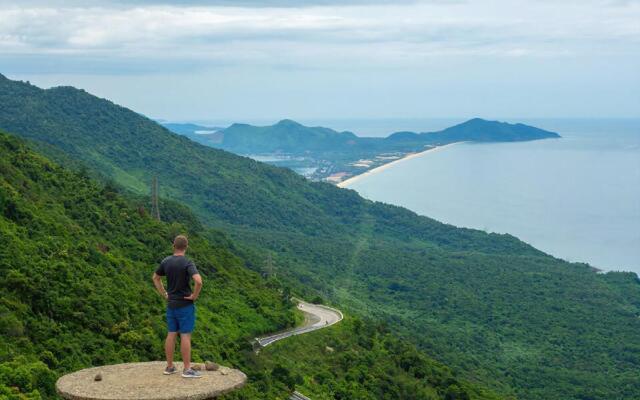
(321, 153)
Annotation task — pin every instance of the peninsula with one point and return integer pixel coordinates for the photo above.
(321, 153)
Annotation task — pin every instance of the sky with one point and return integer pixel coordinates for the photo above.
(247, 60)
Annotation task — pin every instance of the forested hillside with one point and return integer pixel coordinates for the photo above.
(496, 310)
(76, 263)
(363, 360)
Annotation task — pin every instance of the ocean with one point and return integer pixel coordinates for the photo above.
(576, 198)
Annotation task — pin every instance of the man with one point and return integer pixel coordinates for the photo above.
(181, 312)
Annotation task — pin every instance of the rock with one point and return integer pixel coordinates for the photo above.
(196, 367)
(224, 372)
(146, 381)
(211, 366)
(97, 378)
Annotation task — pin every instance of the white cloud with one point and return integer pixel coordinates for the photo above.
(386, 34)
(367, 58)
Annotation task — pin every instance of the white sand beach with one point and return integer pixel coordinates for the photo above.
(409, 156)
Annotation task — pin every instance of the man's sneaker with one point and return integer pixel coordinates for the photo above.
(170, 370)
(191, 373)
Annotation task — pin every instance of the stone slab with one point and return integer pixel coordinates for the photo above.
(145, 381)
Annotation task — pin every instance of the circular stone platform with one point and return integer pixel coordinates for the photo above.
(145, 381)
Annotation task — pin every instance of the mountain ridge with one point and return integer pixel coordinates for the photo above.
(497, 310)
(334, 156)
(238, 136)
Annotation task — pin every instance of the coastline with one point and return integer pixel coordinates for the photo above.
(382, 167)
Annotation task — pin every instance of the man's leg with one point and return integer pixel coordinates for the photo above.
(187, 323)
(172, 335)
(185, 349)
(169, 347)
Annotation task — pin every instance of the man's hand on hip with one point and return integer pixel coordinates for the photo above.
(191, 297)
(196, 290)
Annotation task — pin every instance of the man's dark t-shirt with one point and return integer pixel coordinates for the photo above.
(178, 270)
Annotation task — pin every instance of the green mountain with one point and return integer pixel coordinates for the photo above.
(496, 310)
(478, 130)
(326, 152)
(76, 262)
(286, 136)
(291, 137)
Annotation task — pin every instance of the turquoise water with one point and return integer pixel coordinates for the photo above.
(577, 198)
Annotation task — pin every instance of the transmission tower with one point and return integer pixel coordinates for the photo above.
(269, 271)
(155, 208)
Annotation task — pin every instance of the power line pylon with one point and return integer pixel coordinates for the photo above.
(269, 270)
(155, 208)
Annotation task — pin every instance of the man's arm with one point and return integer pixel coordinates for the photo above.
(196, 290)
(157, 282)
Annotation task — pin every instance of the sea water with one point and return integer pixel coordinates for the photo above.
(577, 198)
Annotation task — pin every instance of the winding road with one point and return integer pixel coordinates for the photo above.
(316, 316)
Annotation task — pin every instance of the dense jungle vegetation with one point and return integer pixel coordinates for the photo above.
(76, 262)
(494, 309)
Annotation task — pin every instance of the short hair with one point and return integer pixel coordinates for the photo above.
(180, 242)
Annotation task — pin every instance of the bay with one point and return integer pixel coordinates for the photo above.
(577, 198)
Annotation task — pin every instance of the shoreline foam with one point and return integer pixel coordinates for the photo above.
(382, 167)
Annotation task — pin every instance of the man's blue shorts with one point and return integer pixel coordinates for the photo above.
(181, 319)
